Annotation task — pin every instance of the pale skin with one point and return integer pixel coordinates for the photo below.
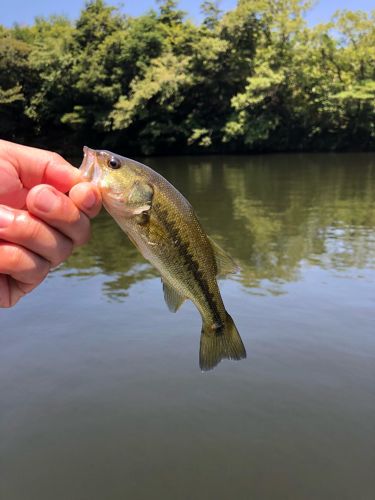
(45, 212)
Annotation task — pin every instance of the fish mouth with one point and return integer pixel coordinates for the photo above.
(90, 169)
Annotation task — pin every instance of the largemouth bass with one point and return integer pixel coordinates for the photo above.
(163, 226)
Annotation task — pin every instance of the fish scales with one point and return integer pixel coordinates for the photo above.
(190, 273)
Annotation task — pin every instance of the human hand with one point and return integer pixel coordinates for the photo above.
(39, 224)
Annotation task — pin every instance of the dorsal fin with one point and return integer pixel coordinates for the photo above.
(172, 297)
(224, 262)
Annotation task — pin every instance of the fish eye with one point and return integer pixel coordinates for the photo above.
(114, 163)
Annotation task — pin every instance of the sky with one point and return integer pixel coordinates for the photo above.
(24, 11)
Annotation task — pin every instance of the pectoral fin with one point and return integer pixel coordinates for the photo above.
(224, 262)
(172, 297)
(140, 198)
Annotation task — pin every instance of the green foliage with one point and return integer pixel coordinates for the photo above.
(16, 83)
(254, 79)
(212, 14)
(169, 13)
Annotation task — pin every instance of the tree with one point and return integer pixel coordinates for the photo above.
(212, 14)
(256, 78)
(169, 13)
(16, 84)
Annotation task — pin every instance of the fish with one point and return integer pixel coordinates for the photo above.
(162, 224)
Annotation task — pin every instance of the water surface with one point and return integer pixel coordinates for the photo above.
(101, 396)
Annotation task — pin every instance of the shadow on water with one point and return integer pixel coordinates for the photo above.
(273, 214)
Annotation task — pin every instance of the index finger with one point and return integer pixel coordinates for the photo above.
(38, 166)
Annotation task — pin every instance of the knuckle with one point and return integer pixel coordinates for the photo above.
(17, 262)
(30, 228)
(55, 158)
(13, 256)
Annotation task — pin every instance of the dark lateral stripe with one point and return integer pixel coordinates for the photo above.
(192, 265)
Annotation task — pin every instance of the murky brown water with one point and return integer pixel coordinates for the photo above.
(101, 396)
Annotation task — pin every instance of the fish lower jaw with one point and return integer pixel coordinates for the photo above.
(90, 170)
(91, 174)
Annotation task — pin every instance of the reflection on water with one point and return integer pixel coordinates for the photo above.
(109, 253)
(100, 395)
(274, 214)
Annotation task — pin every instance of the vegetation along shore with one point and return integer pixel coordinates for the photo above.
(258, 78)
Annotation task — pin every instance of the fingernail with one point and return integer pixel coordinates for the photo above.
(6, 217)
(46, 200)
(90, 200)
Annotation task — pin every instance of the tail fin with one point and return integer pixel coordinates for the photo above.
(223, 343)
